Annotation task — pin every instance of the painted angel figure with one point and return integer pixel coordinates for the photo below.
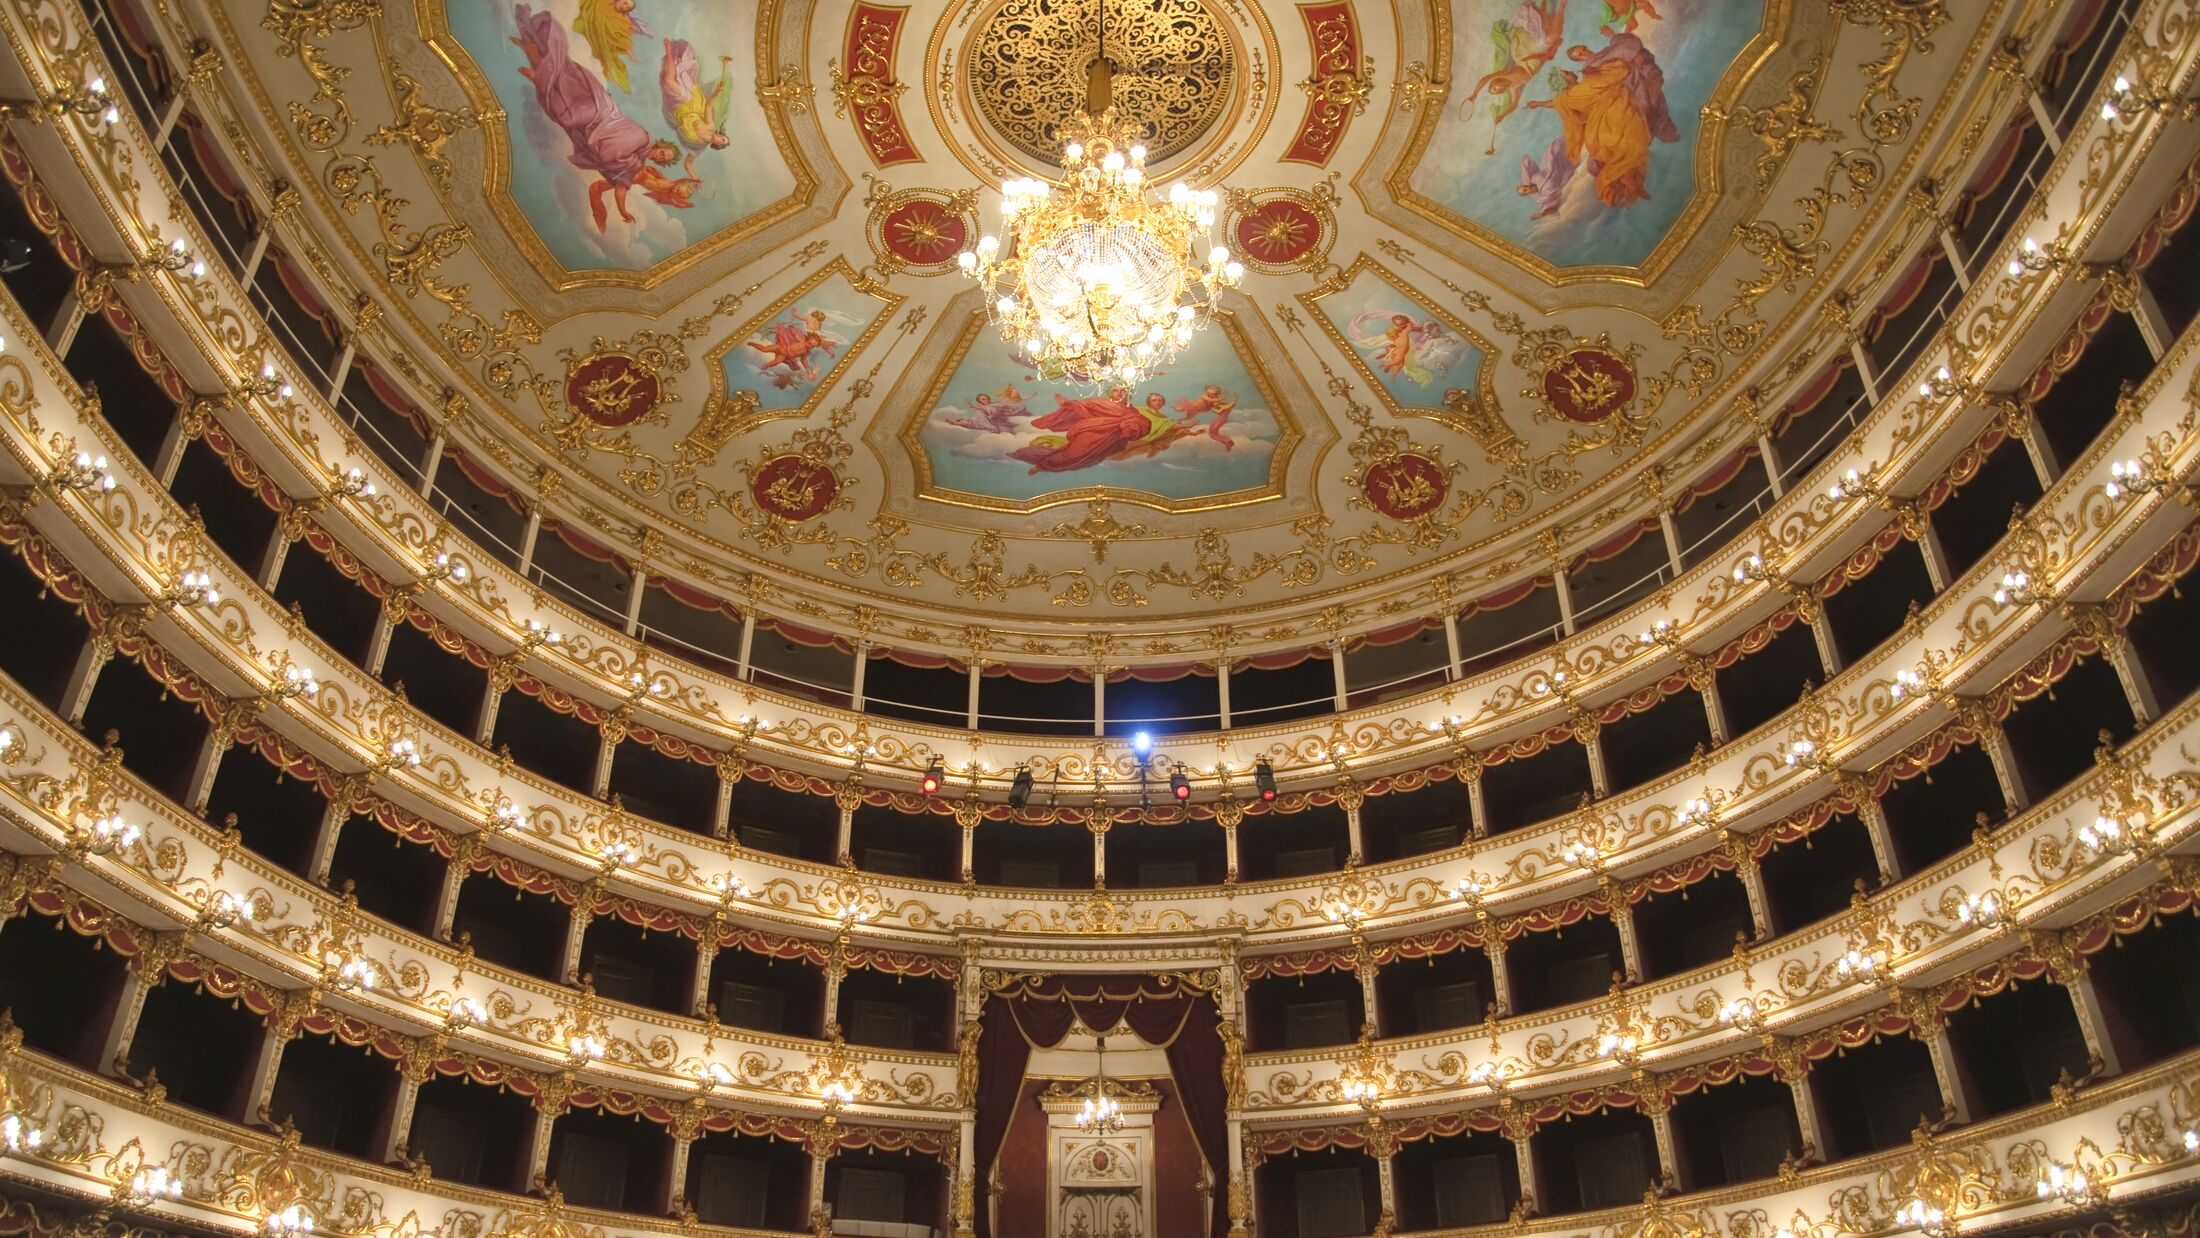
(1212, 400)
(1525, 43)
(793, 347)
(610, 28)
(1622, 16)
(993, 413)
(1402, 347)
(697, 115)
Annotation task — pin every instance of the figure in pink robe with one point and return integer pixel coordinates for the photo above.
(605, 140)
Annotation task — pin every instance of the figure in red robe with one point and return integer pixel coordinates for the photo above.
(1084, 432)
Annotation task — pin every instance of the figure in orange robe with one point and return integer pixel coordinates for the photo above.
(1610, 112)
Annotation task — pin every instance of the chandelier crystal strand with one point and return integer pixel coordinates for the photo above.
(1095, 278)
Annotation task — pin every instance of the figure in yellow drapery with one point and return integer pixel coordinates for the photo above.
(1611, 110)
(609, 27)
(696, 113)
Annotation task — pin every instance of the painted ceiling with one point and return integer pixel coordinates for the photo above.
(1514, 267)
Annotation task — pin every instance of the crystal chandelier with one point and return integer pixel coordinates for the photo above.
(1095, 278)
(1101, 1114)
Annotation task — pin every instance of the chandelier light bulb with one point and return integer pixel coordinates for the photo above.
(1858, 964)
(226, 909)
(298, 681)
(2064, 1182)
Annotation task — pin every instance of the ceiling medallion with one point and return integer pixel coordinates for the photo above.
(1588, 384)
(793, 489)
(1281, 230)
(1101, 280)
(612, 388)
(1172, 60)
(919, 230)
(1406, 487)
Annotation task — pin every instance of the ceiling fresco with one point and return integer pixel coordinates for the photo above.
(1575, 138)
(634, 127)
(1201, 433)
(1512, 265)
(1413, 354)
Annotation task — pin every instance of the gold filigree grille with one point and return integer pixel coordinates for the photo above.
(1173, 69)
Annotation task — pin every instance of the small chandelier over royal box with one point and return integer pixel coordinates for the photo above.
(1098, 278)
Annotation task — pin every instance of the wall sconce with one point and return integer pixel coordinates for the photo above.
(2125, 99)
(91, 101)
(2033, 258)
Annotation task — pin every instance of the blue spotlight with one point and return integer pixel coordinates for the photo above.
(1142, 744)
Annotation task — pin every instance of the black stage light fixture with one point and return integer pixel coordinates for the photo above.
(1019, 791)
(1264, 777)
(1179, 785)
(934, 775)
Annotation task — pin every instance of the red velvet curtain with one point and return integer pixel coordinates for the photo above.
(1002, 1056)
(1195, 1061)
(1157, 1009)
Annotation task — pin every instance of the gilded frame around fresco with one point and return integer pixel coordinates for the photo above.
(721, 389)
(1710, 145)
(1485, 391)
(435, 33)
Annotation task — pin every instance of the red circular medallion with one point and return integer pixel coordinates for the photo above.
(611, 389)
(1278, 232)
(921, 233)
(1100, 1160)
(1589, 384)
(793, 488)
(1406, 486)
